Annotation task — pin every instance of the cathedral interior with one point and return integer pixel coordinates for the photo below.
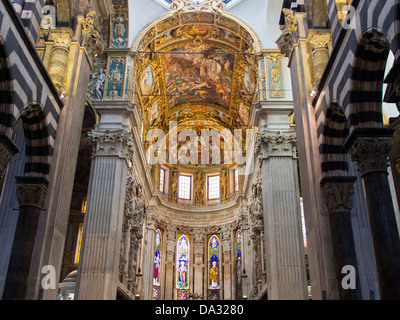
(199, 150)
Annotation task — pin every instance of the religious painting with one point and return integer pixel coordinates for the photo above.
(243, 114)
(182, 262)
(154, 113)
(146, 82)
(214, 262)
(198, 74)
(249, 80)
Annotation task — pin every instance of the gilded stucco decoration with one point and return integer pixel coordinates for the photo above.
(196, 66)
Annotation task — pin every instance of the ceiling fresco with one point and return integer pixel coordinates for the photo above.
(198, 73)
(198, 69)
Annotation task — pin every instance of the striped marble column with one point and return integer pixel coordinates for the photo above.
(286, 275)
(99, 263)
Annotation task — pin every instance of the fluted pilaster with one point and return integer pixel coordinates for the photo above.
(99, 266)
(286, 277)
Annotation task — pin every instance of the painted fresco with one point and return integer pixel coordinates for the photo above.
(198, 74)
(146, 82)
(243, 114)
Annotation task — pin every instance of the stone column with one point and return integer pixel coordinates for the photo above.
(59, 56)
(370, 148)
(170, 261)
(320, 52)
(7, 151)
(99, 265)
(30, 194)
(284, 252)
(148, 258)
(226, 240)
(338, 193)
(198, 262)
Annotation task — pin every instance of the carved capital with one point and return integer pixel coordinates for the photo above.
(31, 191)
(117, 143)
(199, 235)
(338, 193)
(62, 39)
(320, 41)
(276, 144)
(370, 149)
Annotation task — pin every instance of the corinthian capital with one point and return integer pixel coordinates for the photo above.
(370, 148)
(320, 40)
(276, 144)
(31, 191)
(338, 193)
(111, 143)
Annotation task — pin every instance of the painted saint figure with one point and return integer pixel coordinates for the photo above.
(182, 278)
(214, 276)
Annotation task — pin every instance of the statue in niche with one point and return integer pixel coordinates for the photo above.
(174, 186)
(199, 189)
(224, 185)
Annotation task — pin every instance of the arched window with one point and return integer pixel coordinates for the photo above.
(214, 268)
(157, 266)
(182, 266)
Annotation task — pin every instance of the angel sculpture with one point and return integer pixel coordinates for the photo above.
(98, 77)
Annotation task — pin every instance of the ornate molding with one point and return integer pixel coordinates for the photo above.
(188, 6)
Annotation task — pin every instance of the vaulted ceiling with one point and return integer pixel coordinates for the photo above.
(196, 68)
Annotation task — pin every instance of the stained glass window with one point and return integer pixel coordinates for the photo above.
(238, 244)
(214, 262)
(213, 187)
(182, 265)
(162, 177)
(157, 265)
(238, 254)
(185, 186)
